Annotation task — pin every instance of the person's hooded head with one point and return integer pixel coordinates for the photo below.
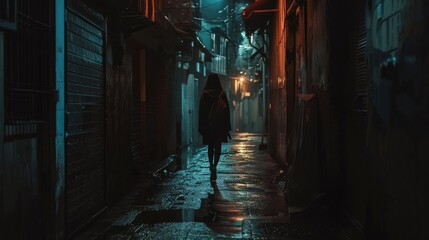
(213, 82)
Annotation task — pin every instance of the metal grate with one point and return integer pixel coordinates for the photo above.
(27, 65)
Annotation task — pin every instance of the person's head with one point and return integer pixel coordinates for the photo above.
(213, 82)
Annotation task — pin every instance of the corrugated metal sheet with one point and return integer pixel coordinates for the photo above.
(361, 103)
(85, 116)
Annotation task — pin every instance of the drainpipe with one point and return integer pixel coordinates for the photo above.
(1, 106)
(264, 145)
(59, 180)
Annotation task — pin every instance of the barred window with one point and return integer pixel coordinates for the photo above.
(27, 64)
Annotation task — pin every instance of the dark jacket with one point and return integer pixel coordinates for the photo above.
(206, 100)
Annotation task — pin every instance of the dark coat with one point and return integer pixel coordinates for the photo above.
(206, 100)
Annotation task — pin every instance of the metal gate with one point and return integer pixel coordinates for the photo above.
(85, 115)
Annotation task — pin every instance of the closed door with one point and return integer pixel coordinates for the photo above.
(85, 115)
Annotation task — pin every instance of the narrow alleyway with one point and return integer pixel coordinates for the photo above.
(102, 103)
(245, 202)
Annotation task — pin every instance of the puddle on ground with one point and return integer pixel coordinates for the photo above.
(217, 213)
(179, 215)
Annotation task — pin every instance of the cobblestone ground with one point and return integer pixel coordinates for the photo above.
(244, 202)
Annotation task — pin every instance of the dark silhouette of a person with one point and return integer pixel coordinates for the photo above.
(213, 137)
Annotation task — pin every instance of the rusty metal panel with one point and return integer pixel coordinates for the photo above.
(85, 115)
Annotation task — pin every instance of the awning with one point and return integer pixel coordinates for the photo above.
(257, 14)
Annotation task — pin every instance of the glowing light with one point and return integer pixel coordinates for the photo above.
(241, 79)
(238, 218)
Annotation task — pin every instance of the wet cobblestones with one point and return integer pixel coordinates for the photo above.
(244, 202)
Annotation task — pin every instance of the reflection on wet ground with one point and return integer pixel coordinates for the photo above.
(187, 205)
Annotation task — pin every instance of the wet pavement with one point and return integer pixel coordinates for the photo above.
(244, 202)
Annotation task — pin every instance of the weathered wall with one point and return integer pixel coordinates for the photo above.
(22, 199)
(277, 86)
(138, 101)
(372, 153)
(312, 136)
(1, 121)
(398, 121)
(118, 125)
(342, 128)
(321, 83)
(321, 75)
(25, 108)
(382, 172)
(160, 107)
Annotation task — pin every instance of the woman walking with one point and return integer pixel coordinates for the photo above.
(214, 120)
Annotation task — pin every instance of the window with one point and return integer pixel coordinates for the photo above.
(213, 36)
(27, 64)
(222, 47)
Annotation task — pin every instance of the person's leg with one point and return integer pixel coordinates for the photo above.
(217, 151)
(217, 146)
(210, 153)
(212, 166)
